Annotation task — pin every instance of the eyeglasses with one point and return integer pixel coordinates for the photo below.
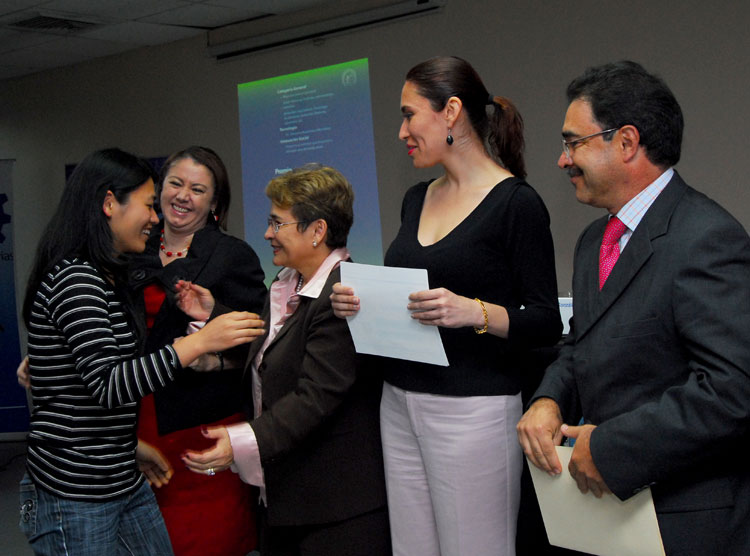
(278, 225)
(566, 145)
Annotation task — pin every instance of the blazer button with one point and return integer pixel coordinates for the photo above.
(139, 274)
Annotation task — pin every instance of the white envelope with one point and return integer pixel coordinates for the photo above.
(604, 526)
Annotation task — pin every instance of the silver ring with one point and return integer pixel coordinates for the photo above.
(211, 472)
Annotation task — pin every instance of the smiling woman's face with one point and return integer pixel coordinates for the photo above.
(132, 220)
(423, 129)
(291, 248)
(187, 196)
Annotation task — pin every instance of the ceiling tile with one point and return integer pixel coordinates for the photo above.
(203, 16)
(9, 6)
(15, 40)
(16, 15)
(122, 25)
(268, 6)
(141, 33)
(7, 72)
(118, 9)
(64, 51)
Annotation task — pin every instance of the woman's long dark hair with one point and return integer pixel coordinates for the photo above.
(440, 78)
(79, 227)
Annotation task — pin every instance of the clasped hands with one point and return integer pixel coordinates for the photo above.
(541, 429)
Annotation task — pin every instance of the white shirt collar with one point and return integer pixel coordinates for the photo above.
(314, 285)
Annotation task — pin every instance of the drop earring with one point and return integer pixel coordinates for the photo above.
(449, 139)
(216, 218)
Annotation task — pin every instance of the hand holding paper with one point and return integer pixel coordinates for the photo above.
(344, 302)
(441, 307)
(539, 433)
(582, 467)
(384, 325)
(604, 526)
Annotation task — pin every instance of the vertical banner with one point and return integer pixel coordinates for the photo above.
(14, 411)
(321, 115)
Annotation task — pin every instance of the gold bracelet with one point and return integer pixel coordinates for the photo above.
(486, 318)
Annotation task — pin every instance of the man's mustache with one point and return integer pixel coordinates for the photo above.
(574, 172)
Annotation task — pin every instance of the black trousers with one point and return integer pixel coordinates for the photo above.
(363, 535)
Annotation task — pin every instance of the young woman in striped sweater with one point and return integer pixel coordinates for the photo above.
(83, 493)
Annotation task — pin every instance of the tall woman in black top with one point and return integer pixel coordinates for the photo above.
(452, 460)
(83, 493)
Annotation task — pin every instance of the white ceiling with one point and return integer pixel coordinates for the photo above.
(114, 26)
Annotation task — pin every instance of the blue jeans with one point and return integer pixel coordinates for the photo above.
(55, 526)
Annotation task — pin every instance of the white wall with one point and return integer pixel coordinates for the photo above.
(156, 100)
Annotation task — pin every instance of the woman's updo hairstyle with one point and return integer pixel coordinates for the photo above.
(501, 130)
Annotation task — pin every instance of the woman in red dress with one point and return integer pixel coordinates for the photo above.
(204, 514)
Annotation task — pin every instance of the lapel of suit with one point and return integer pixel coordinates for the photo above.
(291, 322)
(288, 325)
(585, 295)
(188, 268)
(637, 252)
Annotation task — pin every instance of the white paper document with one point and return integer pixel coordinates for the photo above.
(383, 325)
(566, 312)
(604, 526)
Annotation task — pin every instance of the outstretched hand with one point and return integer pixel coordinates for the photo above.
(230, 330)
(219, 334)
(195, 301)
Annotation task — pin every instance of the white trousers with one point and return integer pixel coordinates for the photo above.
(453, 471)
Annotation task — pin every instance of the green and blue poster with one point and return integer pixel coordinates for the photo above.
(321, 115)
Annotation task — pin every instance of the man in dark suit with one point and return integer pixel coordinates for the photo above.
(658, 359)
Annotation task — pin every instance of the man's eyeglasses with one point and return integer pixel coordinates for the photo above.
(278, 225)
(568, 146)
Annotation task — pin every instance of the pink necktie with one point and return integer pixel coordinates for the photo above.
(610, 249)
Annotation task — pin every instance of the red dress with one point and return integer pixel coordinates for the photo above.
(204, 515)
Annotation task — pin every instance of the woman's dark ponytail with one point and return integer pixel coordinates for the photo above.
(505, 135)
(443, 77)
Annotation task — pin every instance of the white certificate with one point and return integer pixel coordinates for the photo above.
(605, 526)
(383, 325)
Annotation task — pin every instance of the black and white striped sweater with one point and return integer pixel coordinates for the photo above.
(86, 380)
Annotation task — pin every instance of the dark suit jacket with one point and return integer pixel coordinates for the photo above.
(659, 361)
(231, 270)
(319, 431)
